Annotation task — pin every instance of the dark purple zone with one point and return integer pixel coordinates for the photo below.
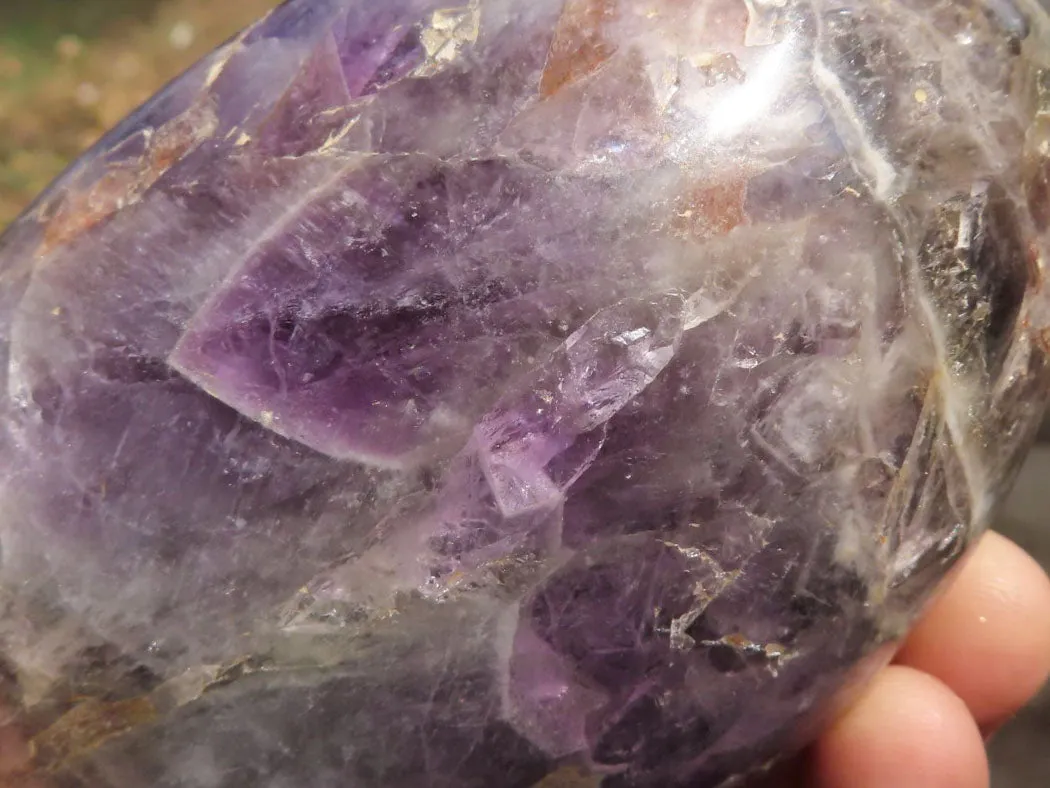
(379, 305)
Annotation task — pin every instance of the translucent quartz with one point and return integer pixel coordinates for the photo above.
(518, 394)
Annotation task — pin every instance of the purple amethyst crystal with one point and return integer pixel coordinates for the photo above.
(520, 393)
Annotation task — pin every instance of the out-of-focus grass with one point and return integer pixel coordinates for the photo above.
(70, 69)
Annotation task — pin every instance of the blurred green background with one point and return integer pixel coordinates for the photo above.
(70, 69)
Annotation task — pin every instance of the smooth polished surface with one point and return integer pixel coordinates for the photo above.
(414, 395)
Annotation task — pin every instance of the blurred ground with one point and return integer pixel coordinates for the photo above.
(1020, 756)
(70, 69)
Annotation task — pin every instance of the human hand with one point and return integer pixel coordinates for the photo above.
(976, 657)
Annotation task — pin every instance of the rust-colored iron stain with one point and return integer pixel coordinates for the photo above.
(580, 44)
(86, 726)
(1036, 261)
(710, 210)
(582, 40)
(126, 182)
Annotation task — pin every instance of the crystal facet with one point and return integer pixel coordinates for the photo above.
(516, 393)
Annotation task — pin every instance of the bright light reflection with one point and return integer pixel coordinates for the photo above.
(745, 104)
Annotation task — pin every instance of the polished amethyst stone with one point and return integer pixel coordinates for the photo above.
(520, 394)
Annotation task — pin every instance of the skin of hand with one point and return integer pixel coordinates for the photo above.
(980, 652)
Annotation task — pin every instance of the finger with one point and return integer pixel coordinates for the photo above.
(907, 731)
(988, 636)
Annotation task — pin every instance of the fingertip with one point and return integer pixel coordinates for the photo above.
(988, 637)
(907, 731)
